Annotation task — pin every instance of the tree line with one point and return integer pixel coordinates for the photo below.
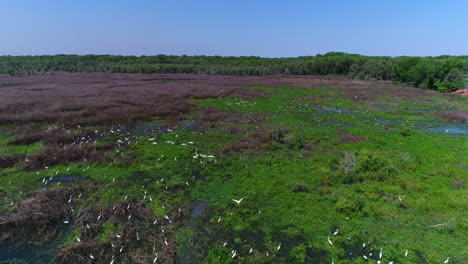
(443, 73)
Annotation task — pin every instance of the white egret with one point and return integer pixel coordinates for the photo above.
(238, 201)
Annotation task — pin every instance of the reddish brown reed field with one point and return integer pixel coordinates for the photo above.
(106, 98)
(103, 98)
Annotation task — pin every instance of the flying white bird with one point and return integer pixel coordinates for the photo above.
(238, 201)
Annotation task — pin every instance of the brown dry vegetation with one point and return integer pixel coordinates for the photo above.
(457, 116)
(65, 100)
(346, 137)
(37, 218)
(139, 239)
(100, 98)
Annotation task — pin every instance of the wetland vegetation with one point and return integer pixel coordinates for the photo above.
(183, 168)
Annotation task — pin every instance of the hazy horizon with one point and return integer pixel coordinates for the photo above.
(263, 28)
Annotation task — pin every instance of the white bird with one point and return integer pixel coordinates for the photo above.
(165, 242)
(99, 216)
(380, 254)
(364, 245)
(279, 247)
(238, 201)
(329, 241)
(155, 222)
(121, 249)
(268, 254)
(118, 236)
(447, 260)
(251, 250)
(336, 232)
(66, 221)
(70, 200)
(87, 226)
(234, 253)
(78, 239)
(91, 256)
(112, 261)
(155, 259)
(225, 243)
(167, 217)
(406, 253)
(130, 216)
(364, 256)
(219, 219)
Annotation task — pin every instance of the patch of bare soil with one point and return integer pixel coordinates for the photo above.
(461, 92)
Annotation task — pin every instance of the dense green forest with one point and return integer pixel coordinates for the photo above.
(443, 73)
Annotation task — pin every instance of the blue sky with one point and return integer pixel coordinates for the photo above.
(234, 27)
